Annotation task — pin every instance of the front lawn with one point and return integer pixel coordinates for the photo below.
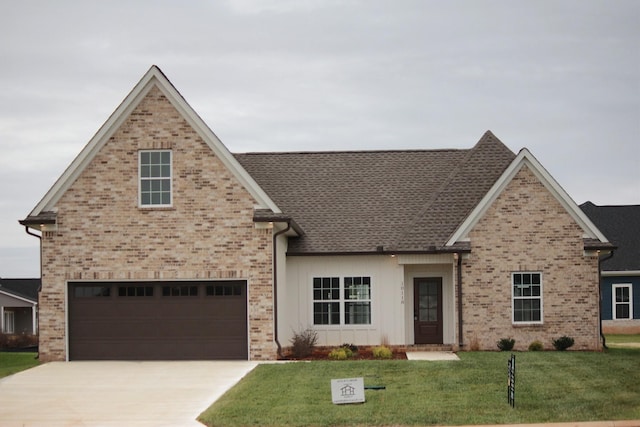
(10, 363)
(623, 340)
(550, 387)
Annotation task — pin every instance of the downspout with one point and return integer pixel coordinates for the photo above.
(459, 279)
(37, 317)
(275, 287)
(600, 261)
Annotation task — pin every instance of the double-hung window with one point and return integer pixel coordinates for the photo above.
(527, 297)
(155, 178)
(342, 301)
(622, 302)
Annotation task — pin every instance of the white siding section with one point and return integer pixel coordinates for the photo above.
(295, 297)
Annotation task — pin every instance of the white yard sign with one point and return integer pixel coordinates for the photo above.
(347, 390)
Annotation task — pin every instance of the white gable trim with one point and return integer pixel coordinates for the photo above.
(525, 158)
(153, 77)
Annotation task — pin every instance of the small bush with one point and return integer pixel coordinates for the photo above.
(563, 343)
(303, 343)
(341, 353)
(382, 352)
(352, 347)
(506, 344)
(536, 346)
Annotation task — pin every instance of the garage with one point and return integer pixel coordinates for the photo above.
(176, 320)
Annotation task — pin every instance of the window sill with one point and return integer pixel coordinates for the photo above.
(527, 325)
(156, 208)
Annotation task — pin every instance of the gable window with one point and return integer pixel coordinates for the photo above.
(622, 302)
(155, 178)
(345, 301)
(527, 297)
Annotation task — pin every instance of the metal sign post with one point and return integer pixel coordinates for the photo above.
(511, 382)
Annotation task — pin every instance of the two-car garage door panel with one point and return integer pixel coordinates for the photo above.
(156, 321)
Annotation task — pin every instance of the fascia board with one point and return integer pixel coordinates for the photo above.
(619, 273)
(153, 77)
(523, 158)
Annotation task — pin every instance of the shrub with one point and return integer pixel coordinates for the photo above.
(563, 343)
(341, 353)
(536, 346)
(303, 342)
(506, 344)
(382, 352)
(352, 347)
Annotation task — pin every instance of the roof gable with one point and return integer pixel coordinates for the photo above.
(23, 289)
(153, 78)
(525, 158)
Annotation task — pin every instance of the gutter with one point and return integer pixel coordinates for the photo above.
(600, 261)
(459, 280)
(26, 228)
(275, 287)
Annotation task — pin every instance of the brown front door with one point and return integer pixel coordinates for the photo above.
(427, 310)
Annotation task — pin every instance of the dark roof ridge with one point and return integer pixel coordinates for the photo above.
(590, 203)
(409, 150)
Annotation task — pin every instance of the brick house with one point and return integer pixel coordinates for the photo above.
(158, 243)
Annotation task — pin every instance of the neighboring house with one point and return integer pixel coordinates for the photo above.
(158, 243)
(620, 284)
(19, 306)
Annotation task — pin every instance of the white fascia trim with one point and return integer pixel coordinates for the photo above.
(620, 273)
(153, 77)
(523, 158)
(9, 294)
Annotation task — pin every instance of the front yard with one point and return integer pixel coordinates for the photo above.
(10, 363)
(550, 387)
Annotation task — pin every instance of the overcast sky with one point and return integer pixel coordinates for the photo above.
(561, 78)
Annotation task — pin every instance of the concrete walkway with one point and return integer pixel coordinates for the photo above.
(106, 394)
(432, 355)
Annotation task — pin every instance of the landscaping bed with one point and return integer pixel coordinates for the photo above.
(361, 353)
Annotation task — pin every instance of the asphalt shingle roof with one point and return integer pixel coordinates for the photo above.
(621, 225)
(360, 201)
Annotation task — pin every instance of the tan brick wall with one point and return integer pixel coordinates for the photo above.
(527, 229)
(208, 233)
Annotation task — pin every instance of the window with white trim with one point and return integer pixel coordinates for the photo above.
(9, 322)
(342, 301)
(526, 297)
(155, 178)
(622, 301)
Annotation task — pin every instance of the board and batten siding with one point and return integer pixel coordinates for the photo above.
(387, 299)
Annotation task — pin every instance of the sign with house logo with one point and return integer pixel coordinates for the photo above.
(347, 390)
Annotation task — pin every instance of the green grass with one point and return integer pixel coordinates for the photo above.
(623, 339)
(550, 387)
(10, 363)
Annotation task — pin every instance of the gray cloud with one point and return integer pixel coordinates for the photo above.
(559, 77)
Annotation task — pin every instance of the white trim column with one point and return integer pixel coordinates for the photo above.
(2, 319)
(34, 326)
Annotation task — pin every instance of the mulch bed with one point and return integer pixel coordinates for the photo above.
(361, 354)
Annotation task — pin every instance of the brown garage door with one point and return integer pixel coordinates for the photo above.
(158, 320)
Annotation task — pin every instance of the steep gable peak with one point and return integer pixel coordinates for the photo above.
(526, 159)
(153, 78)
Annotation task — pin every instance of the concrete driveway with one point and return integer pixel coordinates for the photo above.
(116, 393)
